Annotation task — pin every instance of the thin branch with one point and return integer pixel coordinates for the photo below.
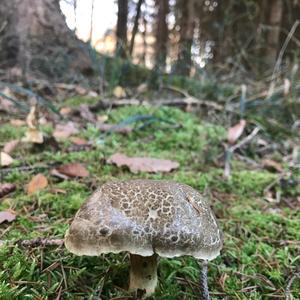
(279, 59)
(287, 291)
(44, 242)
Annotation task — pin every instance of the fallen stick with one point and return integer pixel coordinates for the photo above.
(44, 242)
(229, 151)
(177, 102)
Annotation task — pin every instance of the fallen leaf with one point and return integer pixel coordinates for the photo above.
(17, 122)
(143, 164)
(78, 141)
(65, 130)
(37, 183)
(72, 170)
(6, 188)
(5, 159)
(272, 165)
(102, 118)
(65, 111)
(142, 88)
(7, 216)
(32, 118)
(114, 128)
(236, 131)
(86, 114)
(10, 146)
(119, 92)
(32, 135)
(80, 90)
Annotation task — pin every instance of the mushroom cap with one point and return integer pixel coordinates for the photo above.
(145, 217)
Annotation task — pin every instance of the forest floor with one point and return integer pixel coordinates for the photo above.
(260, 258)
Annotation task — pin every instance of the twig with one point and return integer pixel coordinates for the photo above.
(279, 59)
(177, 102)
(229, 151)
(287, 291)
(34, 242)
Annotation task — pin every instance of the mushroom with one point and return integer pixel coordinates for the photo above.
(147, 218)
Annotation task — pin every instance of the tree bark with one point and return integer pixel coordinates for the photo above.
(187, 24)
(273, 34)
(162, 34)
(35, 37)
(135, 26)
(121, 34)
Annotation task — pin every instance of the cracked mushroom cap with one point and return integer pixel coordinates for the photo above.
(145, 217)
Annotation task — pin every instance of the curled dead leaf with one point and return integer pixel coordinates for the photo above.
(143, 164)
(236, 131)
(32, 135)
(65, 130)
(5, 159)
(119, 92)
(78, 141)
(37, 183)
(10, 146)
(272, 165)
(7, 216)
(6, 188)
(71, 170)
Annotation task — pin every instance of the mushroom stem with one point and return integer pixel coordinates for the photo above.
(143, 274)
(203, 281)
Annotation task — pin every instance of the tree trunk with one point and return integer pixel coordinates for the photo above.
(162, 34)
(121, 34)
(135, 26)
(273, 34)
(35, 37)
(187, 24)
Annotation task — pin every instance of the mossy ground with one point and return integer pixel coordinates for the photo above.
(261, 239)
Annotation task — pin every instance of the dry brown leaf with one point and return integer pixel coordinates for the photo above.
(81, 90)
(65, 111)
(5, 159)
(112, 127)
(119, 92)
(236, 131)
(78, 141)
(17, 122)
(86, 114)
(10, 146)
(102, 118)
(6, 188)
(272, 165)
(7, 216)
(32, 135)
(37, 183)
(73, 170)
(143, 164)
(142, 88)
(65, 130)
(32, 118)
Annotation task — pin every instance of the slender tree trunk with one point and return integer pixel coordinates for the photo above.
(36, 38)
(273, 33)
(162, 34)
(187, 24)
(121, 34)
(135, 26)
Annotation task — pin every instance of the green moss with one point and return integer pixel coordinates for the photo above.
(261, 240)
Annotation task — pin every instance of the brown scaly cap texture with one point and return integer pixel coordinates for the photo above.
(145, 217)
